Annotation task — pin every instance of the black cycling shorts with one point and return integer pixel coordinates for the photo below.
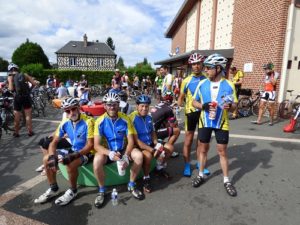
(191, 120)
(62, 143)
(85, 159)
(164, 133)
(22, 102)
(204, 135)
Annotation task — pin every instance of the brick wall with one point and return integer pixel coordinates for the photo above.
(179, 38)
(258, 36)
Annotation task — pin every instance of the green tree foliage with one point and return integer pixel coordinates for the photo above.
(34, 70)
(30, 53)
(120, 64)
(3, 64)
(143, 69)
(110, 43)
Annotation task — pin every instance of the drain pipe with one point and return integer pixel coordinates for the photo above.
(283, 77)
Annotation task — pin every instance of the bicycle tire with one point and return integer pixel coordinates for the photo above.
(285, 110)
(244, 106)
(255, 107)
(8, 123)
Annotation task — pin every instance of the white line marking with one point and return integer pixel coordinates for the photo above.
(48, 121)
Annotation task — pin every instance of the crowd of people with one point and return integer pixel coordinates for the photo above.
(149, 132)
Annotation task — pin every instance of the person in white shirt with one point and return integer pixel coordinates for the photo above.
(62, 91)
(168, 80)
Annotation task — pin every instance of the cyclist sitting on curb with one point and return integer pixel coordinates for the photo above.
(192, 114)
(269, 94)
(215, 96)
(146, 138)
(111, 130)
(79, 128)
(165, 126)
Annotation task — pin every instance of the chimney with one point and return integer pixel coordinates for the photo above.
(85, 43)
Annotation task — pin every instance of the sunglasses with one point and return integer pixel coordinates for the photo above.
(112, 105)
(68, 111)
(210, 67)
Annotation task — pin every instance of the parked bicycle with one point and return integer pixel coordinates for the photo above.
(248, 104)
(7, 115)
(288, 106)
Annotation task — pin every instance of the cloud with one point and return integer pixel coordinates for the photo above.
(136, 27)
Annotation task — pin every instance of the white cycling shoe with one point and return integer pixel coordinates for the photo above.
(46, 196)
(66, 198)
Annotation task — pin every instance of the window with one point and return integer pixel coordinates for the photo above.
(289, 64)
(298, 65)
(99, 62)
(72, 61)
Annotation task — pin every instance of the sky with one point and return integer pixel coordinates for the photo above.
(137, 27)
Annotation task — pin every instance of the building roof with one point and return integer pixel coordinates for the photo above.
(93, 48)
(181, 14)
(228, 53)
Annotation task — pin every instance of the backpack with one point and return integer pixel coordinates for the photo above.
(21, 86)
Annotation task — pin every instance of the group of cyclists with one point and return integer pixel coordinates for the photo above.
(146, 133)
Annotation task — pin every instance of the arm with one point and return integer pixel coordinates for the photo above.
(130, 144)
(30, 79)
(10, 80)
(142, 145)
(180, 99)
(197, 104)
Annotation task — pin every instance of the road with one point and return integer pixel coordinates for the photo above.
(264, 165)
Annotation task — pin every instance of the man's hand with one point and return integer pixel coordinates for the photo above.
(114, 156)
(206, 106)
(52, 162)
(67, 159)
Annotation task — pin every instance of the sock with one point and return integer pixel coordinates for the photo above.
(226, 179)
(54, 187)
(159, 165)
(131, 184)
(101, 189)
(145, 177)
(74, 189)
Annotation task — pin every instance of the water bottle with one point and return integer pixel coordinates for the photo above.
(114, 197)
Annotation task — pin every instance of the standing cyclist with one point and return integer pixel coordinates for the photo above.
(210, 97)
(192, 114)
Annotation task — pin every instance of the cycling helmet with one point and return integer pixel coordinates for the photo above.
(69, 102)
(111, 97)
(269, 66)
(12, 65)
(215, 60)
(143, 99)
(196, 57)
(123, 96)
(168, 96)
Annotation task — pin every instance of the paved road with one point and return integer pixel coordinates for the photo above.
(264, 165)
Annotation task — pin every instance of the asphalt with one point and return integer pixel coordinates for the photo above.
(264, 166)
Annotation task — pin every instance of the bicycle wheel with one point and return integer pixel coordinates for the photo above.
(285, 109)
(8, 123)
(255, 108)
(244, 108)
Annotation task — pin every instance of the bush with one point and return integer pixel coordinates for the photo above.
(34, 70)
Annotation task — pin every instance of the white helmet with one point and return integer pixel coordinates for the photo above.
(196, 57)
(69, 102)
(12, 65)
(111, 97)
(215, 60)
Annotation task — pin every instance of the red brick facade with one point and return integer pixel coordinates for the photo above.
(259, 29)
(179, 38)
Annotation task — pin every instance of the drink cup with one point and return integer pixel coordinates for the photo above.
(212, 110)
(120, 164)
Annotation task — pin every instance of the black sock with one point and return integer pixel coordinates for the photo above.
(54, 187)
(74, 190)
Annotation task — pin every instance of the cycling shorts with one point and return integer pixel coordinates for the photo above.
(22, 102)
(191, 120)
(62, 143)
(164, 133)
(268, 96)
(85, 159)
(204, 135)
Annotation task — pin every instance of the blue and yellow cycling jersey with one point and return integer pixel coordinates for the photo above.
(143, 127)
(78, 132)
(188, 87)
(204, 95)
(113, 133)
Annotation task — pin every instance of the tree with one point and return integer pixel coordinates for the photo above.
(3, 64)
(30, 53)
(120, 64)
(145, 62)
(34, 70)
(110, 43)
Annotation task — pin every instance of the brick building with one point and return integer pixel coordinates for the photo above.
(248, 33)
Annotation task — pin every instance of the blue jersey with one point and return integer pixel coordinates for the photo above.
(143, 127)
(203, 94)
(78, 132)
(113, 133)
